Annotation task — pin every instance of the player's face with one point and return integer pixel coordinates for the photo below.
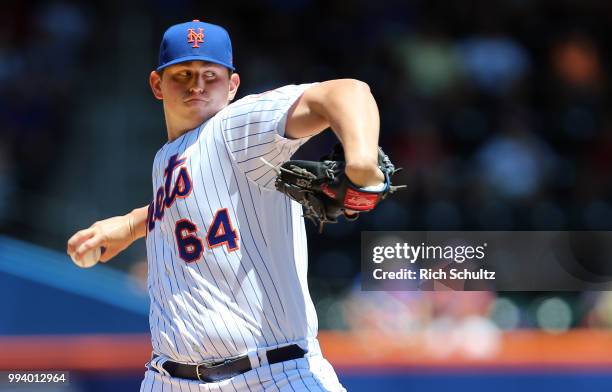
(193, 92)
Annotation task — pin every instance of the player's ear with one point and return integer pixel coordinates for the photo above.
(233, 86)
(155, 83)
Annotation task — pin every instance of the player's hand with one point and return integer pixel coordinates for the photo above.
(331, 186)
(113, 235)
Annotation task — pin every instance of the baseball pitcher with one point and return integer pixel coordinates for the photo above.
(227, 258)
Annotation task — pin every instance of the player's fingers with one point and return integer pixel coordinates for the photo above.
(106, 255)
(78, 238)
(92, 243)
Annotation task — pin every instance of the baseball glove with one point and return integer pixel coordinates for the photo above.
(326, 192)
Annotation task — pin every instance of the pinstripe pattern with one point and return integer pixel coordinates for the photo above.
(225, 303)
(212, 300)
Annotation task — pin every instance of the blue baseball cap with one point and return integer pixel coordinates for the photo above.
(195, 40)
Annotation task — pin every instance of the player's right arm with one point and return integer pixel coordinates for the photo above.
(113, 234)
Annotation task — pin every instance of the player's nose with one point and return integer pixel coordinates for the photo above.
(196, 89)
(198, 86)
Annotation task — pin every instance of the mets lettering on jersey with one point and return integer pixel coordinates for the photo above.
(227, 253)
(189, 246)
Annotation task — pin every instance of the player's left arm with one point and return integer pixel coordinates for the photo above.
(348, 107)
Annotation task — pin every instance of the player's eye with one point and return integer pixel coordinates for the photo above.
(209, 75)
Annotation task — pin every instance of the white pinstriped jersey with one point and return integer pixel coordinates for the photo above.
(226, 252)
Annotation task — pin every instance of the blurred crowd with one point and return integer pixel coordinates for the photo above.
(40, 50)
(497, 111)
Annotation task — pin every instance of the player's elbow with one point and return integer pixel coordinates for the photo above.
(358, 93)
(340, 92)
(356, 86)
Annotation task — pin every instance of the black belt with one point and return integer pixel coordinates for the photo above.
(220, 370)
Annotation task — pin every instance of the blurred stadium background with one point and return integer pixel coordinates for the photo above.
(497, 110)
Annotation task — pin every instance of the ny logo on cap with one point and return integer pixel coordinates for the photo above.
(195, 38)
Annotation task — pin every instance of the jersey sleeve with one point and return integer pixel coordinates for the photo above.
(254, 127)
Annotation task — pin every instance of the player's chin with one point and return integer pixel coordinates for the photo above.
(197, 106)
(198, 114)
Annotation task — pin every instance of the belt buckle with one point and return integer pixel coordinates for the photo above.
(198, 371)
(206, 365)
(211, 365)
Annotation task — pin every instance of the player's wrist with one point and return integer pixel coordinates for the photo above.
(364, 174)
(136, 223)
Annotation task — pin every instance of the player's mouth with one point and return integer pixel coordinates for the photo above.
(196, 100)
